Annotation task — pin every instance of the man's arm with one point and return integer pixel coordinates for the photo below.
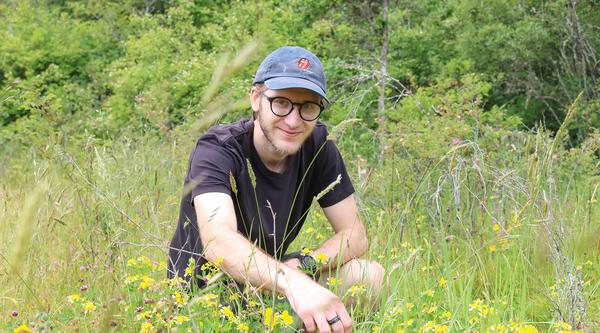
(350, 239)
(247, 263)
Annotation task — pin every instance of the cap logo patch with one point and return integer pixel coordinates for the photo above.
(303, 63)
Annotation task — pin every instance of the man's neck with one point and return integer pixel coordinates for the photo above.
(273, 159)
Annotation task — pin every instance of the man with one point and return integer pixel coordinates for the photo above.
(253, 183)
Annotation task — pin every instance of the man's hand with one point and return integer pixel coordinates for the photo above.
(292, 263)
(316, 305)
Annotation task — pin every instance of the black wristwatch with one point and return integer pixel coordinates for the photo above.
(308, 263)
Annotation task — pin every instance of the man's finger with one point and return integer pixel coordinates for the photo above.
(309, 324)
(335, 322)
(345, 319)
(322, 323)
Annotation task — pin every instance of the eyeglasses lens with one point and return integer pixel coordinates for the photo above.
(282, 107)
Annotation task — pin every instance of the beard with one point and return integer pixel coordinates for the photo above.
(269, 136)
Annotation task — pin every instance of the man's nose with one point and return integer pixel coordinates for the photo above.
(293, 119)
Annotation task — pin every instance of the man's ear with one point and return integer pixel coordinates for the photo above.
(255, 98)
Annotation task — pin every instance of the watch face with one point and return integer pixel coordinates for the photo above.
(309, 263)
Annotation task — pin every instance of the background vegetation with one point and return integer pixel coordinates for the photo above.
(476, 165)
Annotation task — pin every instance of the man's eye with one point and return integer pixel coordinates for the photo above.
(281, 102)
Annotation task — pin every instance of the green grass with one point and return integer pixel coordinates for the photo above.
(104, 206)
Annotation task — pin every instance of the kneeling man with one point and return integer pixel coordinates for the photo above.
(252, 183)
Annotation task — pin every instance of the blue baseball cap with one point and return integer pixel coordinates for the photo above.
(292, 67)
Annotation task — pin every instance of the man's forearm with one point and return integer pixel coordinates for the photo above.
(350, 239)
(247, 263)
(345, 245)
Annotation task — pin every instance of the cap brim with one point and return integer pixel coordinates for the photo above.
(294, 82)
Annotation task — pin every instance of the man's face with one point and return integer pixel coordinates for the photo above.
(283, 135)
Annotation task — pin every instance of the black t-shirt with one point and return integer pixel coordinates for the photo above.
(221, 157)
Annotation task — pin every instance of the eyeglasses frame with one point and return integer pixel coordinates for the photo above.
(300, 105)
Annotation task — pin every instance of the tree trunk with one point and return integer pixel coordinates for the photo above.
(383, 80)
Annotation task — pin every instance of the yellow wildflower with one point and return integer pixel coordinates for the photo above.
(160, 266)
(88, 307)
(143, 315)
(306, 251)
(235, 296)
(429, 293)
(499, 328)
(496, 227)
(332, 281)
(131, 262)
(180, 298)
(243, 327)
(492, 248)
(442, 282)
(132, 278)
(208, 266)
(73, 298)
(146, 283)
(147, 328)
(446, 315)
(515, 217)
(286, 318)
(407, 323)
(227, 312)
(208, 299)
(400, 330)
(427, 327)
(22, 329)
(357, 289)
(321, 258)
(376, 329)
(440, 328)
(482, 309)
(269, 318)
(513, 325)
(181, 319)
(527, 329)
(189, 271)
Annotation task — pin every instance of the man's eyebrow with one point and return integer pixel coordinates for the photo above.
(305, 101)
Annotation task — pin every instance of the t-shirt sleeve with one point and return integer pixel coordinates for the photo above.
(210, 166)
(328, 166)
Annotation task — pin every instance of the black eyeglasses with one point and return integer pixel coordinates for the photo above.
(281, 106)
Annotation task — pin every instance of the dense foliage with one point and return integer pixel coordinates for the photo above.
(108, 67)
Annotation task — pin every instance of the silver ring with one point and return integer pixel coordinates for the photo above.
(333, 320)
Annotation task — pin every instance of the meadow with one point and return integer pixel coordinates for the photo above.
(473, 240)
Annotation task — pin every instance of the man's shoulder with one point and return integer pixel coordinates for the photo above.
(225, 133)
(319, 134)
